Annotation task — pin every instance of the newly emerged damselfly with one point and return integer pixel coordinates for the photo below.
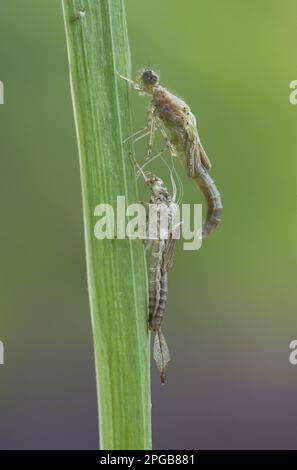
(177, 124)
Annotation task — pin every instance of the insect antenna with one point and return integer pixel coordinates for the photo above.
(180, 186)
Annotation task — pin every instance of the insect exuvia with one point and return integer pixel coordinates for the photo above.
(161, 261)
(173, 117)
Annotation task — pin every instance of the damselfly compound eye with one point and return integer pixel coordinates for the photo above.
(149, 77)
(177, 124)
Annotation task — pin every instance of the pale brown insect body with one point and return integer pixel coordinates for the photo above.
(158, 289)
(162, 251)
(161, 261)
(178, 126)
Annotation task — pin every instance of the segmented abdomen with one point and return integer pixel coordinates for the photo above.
(213, 199)
(157, 287)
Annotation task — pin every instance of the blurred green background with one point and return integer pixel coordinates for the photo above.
(232, 305)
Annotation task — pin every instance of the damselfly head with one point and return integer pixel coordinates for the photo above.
(147, 79)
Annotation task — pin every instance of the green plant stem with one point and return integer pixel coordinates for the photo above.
(98, 49)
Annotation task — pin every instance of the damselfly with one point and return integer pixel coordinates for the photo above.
(177, 124)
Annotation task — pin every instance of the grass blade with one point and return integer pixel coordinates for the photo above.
(98, 49)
